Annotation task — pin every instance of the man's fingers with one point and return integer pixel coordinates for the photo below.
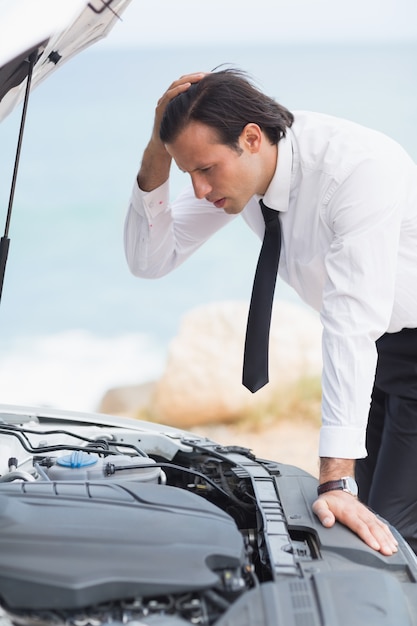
(174, 91)
(372, 531)
(177, 87)
(321, 509)
(194, 77)
(182, 84)
(349, 511)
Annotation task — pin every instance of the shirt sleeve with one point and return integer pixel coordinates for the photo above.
(159, 236)
(365, 214)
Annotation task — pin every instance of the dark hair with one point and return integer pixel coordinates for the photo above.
(225, 100)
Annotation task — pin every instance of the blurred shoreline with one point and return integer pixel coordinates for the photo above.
(73, 321)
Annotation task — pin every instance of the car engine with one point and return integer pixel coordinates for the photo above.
(125, 522)
(91, 535)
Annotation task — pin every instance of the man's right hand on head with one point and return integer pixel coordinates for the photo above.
(156, 162)
(178, 86)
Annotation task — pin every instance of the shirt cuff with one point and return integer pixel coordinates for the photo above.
(342, 443)
(150, 203)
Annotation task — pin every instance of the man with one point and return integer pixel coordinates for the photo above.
(347, 203)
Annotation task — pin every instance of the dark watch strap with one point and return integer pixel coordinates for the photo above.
(347, 484)
(331, 485)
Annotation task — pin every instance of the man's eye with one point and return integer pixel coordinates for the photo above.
(205, 169)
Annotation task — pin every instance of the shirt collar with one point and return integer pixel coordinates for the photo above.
(278, 193)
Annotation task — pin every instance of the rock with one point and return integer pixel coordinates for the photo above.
(202, 379)
(127, 400)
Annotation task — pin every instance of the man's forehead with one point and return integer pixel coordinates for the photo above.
(196, 131)
(195, 147)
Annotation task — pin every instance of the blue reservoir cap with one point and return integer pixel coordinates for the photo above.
(78, 458)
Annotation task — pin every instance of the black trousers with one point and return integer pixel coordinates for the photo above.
(387, 478)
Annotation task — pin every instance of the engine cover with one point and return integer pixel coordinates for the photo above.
(71, 545)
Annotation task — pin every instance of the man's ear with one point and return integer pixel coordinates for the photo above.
(251, 137)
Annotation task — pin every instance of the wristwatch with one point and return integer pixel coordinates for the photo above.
(347, 483)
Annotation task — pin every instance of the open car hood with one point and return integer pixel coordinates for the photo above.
(53, 32)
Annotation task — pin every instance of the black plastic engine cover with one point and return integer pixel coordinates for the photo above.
(72, 545)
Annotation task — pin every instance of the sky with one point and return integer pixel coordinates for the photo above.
(182, 22)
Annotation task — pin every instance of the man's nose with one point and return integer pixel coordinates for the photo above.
(201, 187)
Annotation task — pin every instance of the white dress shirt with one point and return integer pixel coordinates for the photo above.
(347, 197)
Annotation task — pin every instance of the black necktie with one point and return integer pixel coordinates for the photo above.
(255, 364)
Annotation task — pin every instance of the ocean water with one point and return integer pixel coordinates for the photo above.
(73, 321)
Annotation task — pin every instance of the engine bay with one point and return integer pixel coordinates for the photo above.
(93, 525)
(124, 522)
